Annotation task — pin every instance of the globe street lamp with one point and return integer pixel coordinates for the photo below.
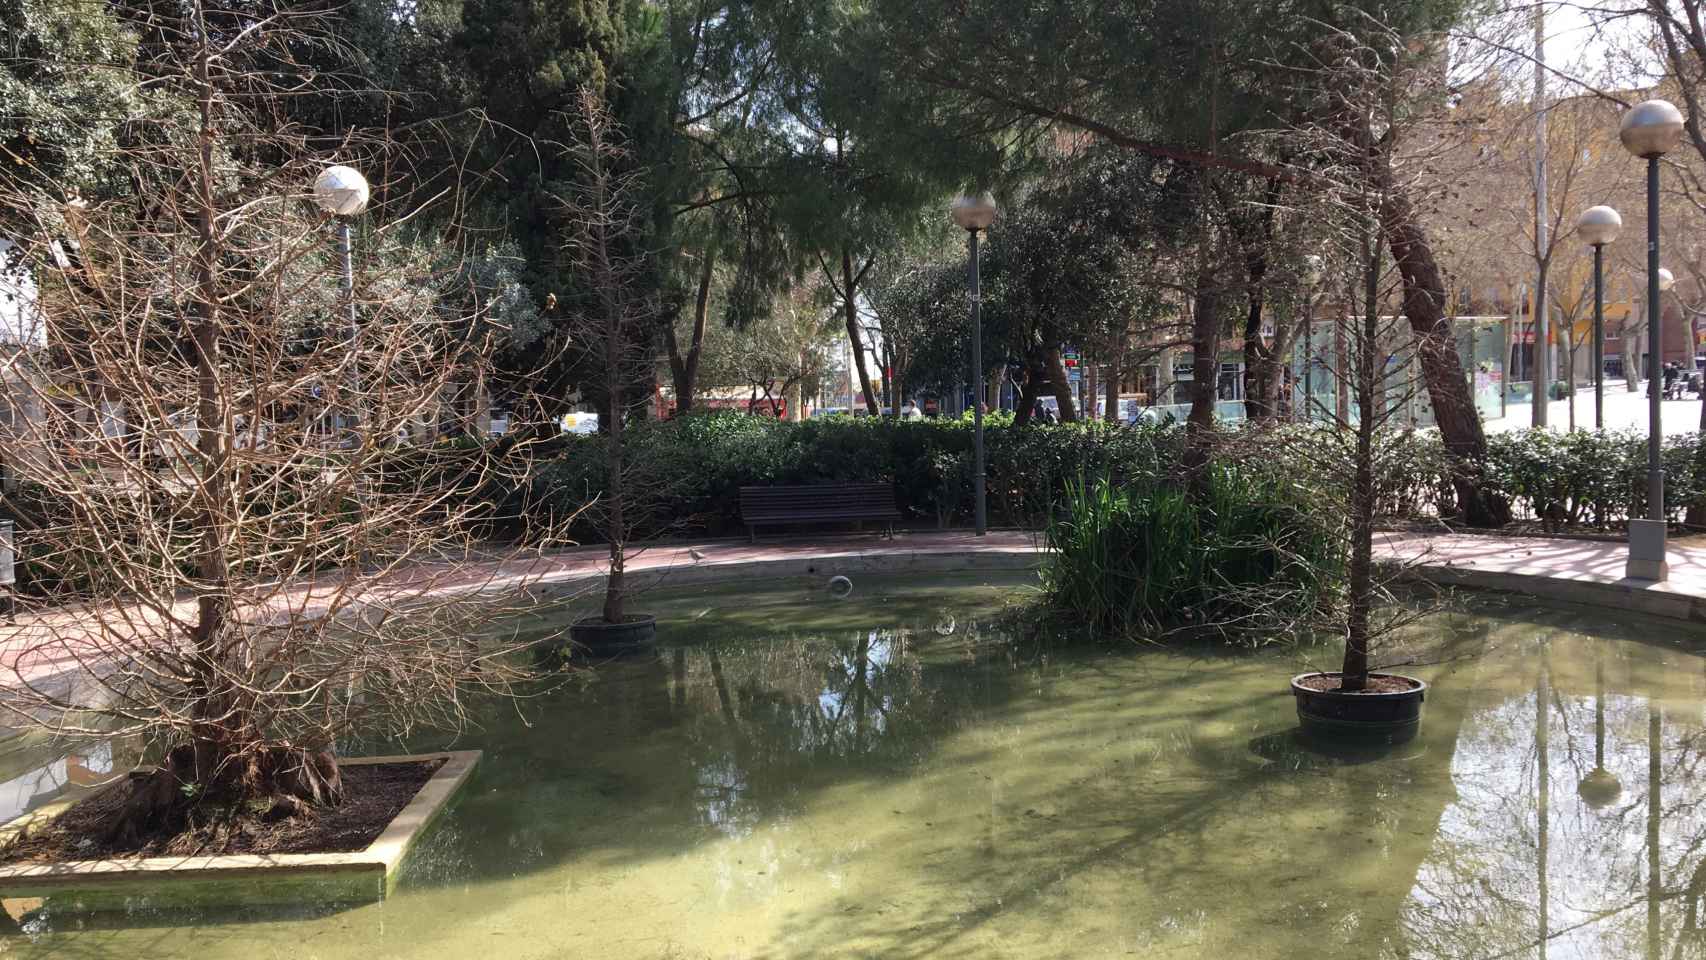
(342, 192)
(1649, 131)
(1598, 226)
(974, 214)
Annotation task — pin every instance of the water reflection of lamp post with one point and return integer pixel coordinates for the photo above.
(1600, 788)
(1598, 226)
(1655, 721)
(1649, 131)
(975, 214)
(1543, 791)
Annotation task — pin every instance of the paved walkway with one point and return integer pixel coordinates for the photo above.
(1578, 571)
(42, 645)
(49, 643)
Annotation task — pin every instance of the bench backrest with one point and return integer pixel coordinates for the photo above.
(850, 500)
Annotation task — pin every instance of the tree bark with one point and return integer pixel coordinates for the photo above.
(1111, 388)
(1205, 369)
(1060, 384)
(1258, 359)
(850, 311)
(1354, 671)
(684, 370)
(1631, 338)
(1442, 370)
(213, 702)
(1028, 392)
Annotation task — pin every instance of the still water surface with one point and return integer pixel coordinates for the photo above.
(891, 776)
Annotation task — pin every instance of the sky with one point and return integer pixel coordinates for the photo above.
(19, 318)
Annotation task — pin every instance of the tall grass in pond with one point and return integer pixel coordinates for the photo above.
(1139, 560)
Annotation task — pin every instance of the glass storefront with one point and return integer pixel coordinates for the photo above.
(1481, 346)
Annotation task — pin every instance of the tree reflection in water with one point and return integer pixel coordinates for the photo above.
(765, 717)
(1579, 828)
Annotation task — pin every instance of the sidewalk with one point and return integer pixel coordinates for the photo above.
(1575, 571)
(47, 644)
(1578, 571)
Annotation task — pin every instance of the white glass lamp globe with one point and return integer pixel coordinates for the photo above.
(341, 191)
(1599, 225)
(973, 212)
(1666, 279)
(1651, 129)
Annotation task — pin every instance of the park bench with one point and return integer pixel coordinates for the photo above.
(818, 503)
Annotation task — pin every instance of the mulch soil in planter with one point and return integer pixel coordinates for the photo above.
(373, 796)
(1375, 685)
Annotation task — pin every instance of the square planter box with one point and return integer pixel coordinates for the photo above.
(247, 879)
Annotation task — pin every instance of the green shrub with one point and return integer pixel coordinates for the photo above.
(696, 465)
(1138, 559)
(693, 467)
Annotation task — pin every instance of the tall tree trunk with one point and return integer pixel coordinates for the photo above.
(684, 369)
(1060, 384)
(850, 311)
(1111, 390)
(1695, 518)
(1631, 337)
(1205, 370)
(223, 760)
(210, 698)
(1354, 671)
(1258, 359)
(1028, 392)
(1568, 374)
(1442, 370)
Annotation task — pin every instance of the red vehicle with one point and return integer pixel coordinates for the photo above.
(760, 407)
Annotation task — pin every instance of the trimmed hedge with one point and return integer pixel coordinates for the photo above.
(696, 465)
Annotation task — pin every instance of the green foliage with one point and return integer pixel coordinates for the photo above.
(67, 88)
(1574, 479)
(697, 464)
(1567, 481)
(1255, 561)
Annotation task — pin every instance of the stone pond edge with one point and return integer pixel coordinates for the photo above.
(357, 876)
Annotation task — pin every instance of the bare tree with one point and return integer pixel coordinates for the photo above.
(239, 561)
(1383, 354)
(603, 232)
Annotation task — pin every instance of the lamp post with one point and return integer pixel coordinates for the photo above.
(974, 214)
(1649, 131)
(342, 192)
(1598, 226)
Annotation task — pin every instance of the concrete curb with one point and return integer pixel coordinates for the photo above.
(155, 882)
(1625, 596)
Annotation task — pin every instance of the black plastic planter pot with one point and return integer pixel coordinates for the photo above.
(594, 637)
(1391, 717)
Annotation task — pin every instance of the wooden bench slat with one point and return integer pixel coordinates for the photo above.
(817, 503)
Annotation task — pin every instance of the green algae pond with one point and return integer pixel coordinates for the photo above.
(896, 776)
